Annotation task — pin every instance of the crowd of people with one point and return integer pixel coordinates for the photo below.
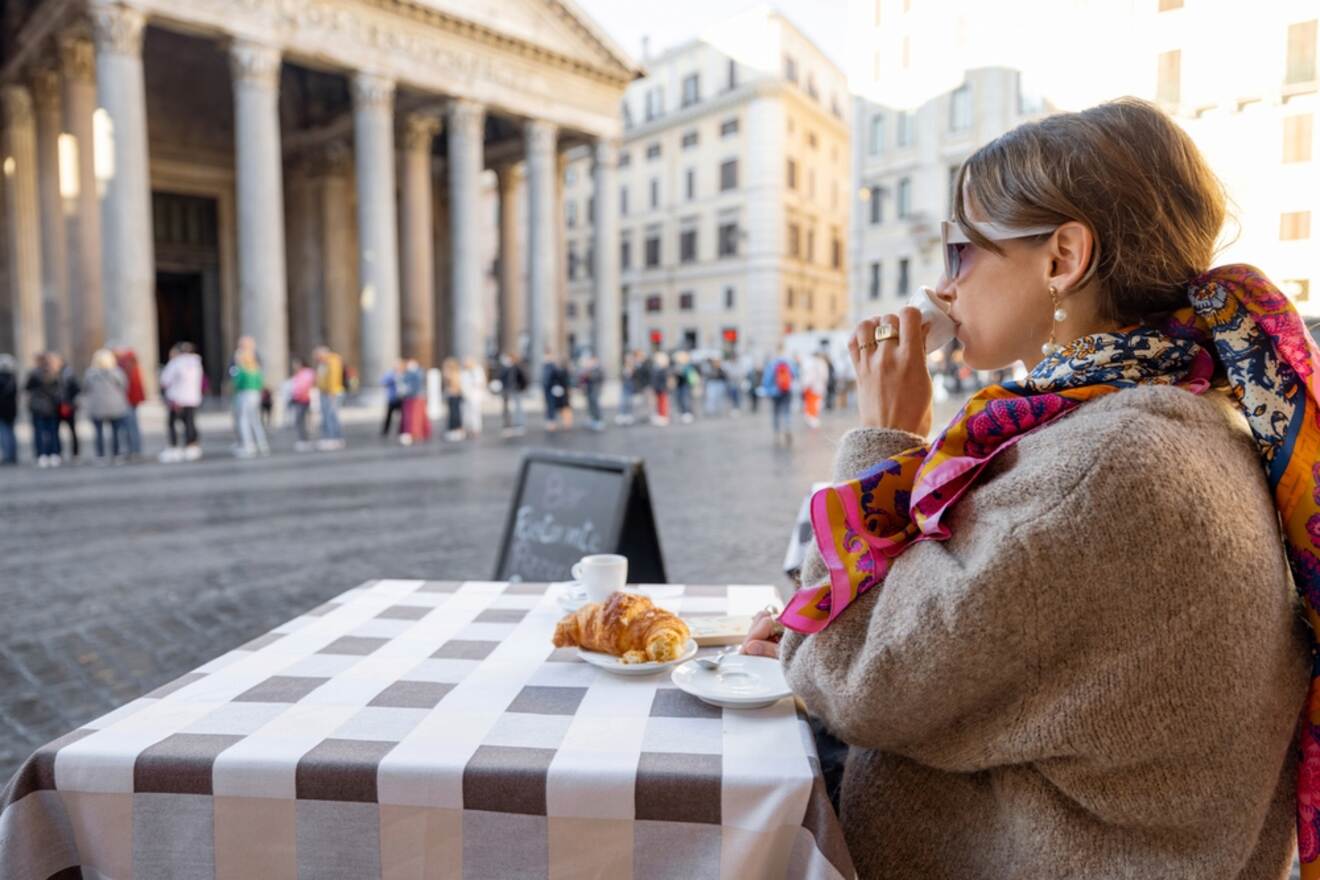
(658, 388)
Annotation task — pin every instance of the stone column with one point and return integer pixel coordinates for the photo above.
(513, 290)
(23, 235)
(608, 336)
(86, 301)
(542, 242)
(417, 257)
(378, 246)
(128, 249)
(54, 265)
(466, 128)
(259, 172)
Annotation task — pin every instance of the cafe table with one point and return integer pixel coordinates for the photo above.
(420, 729)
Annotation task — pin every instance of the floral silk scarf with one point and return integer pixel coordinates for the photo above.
(1238, 328)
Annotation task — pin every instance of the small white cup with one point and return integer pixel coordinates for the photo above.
(601, 575)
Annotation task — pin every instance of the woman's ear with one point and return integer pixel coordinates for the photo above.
(1070, 253)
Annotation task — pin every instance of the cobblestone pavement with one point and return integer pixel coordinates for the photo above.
(114, 581)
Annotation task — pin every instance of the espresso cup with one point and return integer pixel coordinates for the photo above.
(601, 575)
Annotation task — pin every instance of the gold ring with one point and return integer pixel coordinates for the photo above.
(864, 347)
(885, 332)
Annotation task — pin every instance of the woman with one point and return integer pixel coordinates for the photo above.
(451, 374)
(660, 388)
(8, 409)
(43, 389)
(815, 385)
(301, 383)
(248, 382)
(474, 395)
(105, 390)
(1066, 644)
(181, 387)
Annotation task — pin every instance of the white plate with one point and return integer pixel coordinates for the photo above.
(610, 663)
(742, 682)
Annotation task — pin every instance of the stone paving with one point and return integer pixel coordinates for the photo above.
(114, 581)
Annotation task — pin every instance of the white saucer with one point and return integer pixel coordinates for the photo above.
(610, 663)
(742, 682)
(572, 597)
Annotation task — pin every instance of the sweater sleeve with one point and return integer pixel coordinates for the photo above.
(970, 639)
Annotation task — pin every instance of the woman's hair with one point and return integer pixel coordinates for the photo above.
(1126, 171)
(104, 359)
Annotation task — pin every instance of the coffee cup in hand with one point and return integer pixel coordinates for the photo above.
(601, 575)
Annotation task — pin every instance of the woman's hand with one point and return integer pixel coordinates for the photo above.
(763, 636)
(894, 388)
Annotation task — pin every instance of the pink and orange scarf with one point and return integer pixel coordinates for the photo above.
(1236, 328)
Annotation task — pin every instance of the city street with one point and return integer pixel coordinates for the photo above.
(114, 581)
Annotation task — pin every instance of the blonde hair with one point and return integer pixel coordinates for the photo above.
(105, 359)
(1127, 172)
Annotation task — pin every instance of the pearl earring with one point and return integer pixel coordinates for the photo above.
(1052, 347)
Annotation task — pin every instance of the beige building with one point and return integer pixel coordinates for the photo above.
(936, 79)
(302, 171)
(733, 196)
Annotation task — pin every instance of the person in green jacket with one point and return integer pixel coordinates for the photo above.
(248, 382)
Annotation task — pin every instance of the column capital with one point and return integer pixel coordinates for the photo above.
(77, 57)
(46, 85)
(510, 174)
(419, 130)
(16, 102)
(118, 30)
(255, 63)
(370, 90)
(541, 136)
(467, 118)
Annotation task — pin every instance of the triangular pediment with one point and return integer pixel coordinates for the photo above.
(557, 26)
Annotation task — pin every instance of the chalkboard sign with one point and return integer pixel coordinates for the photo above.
(570, 505)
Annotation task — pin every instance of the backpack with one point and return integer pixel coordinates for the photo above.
(783, 377)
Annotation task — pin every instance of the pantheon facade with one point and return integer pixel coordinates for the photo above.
(302, 171)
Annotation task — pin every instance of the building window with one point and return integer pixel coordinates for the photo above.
(877, 141)
(836, 252)
(571, 309)
(728, 298)
(877, 204)
(731, 81)
(591, 209)
(652, 249)
(572, 262)
(788, 304)
(589, 261)
(904, 197)
(689, 139)
(687, 246)
(690, 339)
(623, 201)
(591, 308)
(625, 159)
(570, 207)
(655, 192)
(655, 103)
(792, 174)
(1301, 53)
(960, 108)
(729, 126)
(1297, 137)
(687, 301)
(835, 107)
(1168, 86)
(653, 150)
(1295, 226)
(794, 240)
(811, 139)
(728, 239)
(690, 184)
(811, 87)
(811, 244)
(903, 266)
(1166, 5)
(790, 68)
(653, 303)
(627, 115)
(625, 254)
(874, 290)
(691, 89)
(728, 175)
(906, 129)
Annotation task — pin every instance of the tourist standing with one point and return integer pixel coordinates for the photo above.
(393, 382)
(591, 377)
(451, 373)
(777, 383)
(248, 383)
(553, 390)
(181, 387)
(8, 409)
(416, 423)
(43, 394)
(660, 387)
(105, 392)
(301, 383)
(513, 384)
(330, 390)
(474, 395)
(815, 385)
(128, 362)
(68, 410)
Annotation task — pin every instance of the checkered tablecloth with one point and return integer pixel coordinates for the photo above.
(412, 729)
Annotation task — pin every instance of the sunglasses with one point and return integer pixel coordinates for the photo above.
(956, 241)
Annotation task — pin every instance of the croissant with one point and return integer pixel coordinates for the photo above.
(627, 625)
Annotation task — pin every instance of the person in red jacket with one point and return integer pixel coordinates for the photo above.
(128, 362)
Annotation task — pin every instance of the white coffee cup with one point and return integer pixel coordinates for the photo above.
(601, 575)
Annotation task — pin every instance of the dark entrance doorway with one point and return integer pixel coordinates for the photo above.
(187, 279)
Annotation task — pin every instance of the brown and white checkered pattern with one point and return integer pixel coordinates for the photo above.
(414, 729)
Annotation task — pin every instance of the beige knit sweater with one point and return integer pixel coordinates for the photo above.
(1099, 675)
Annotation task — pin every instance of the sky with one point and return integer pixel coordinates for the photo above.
(675, 21)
